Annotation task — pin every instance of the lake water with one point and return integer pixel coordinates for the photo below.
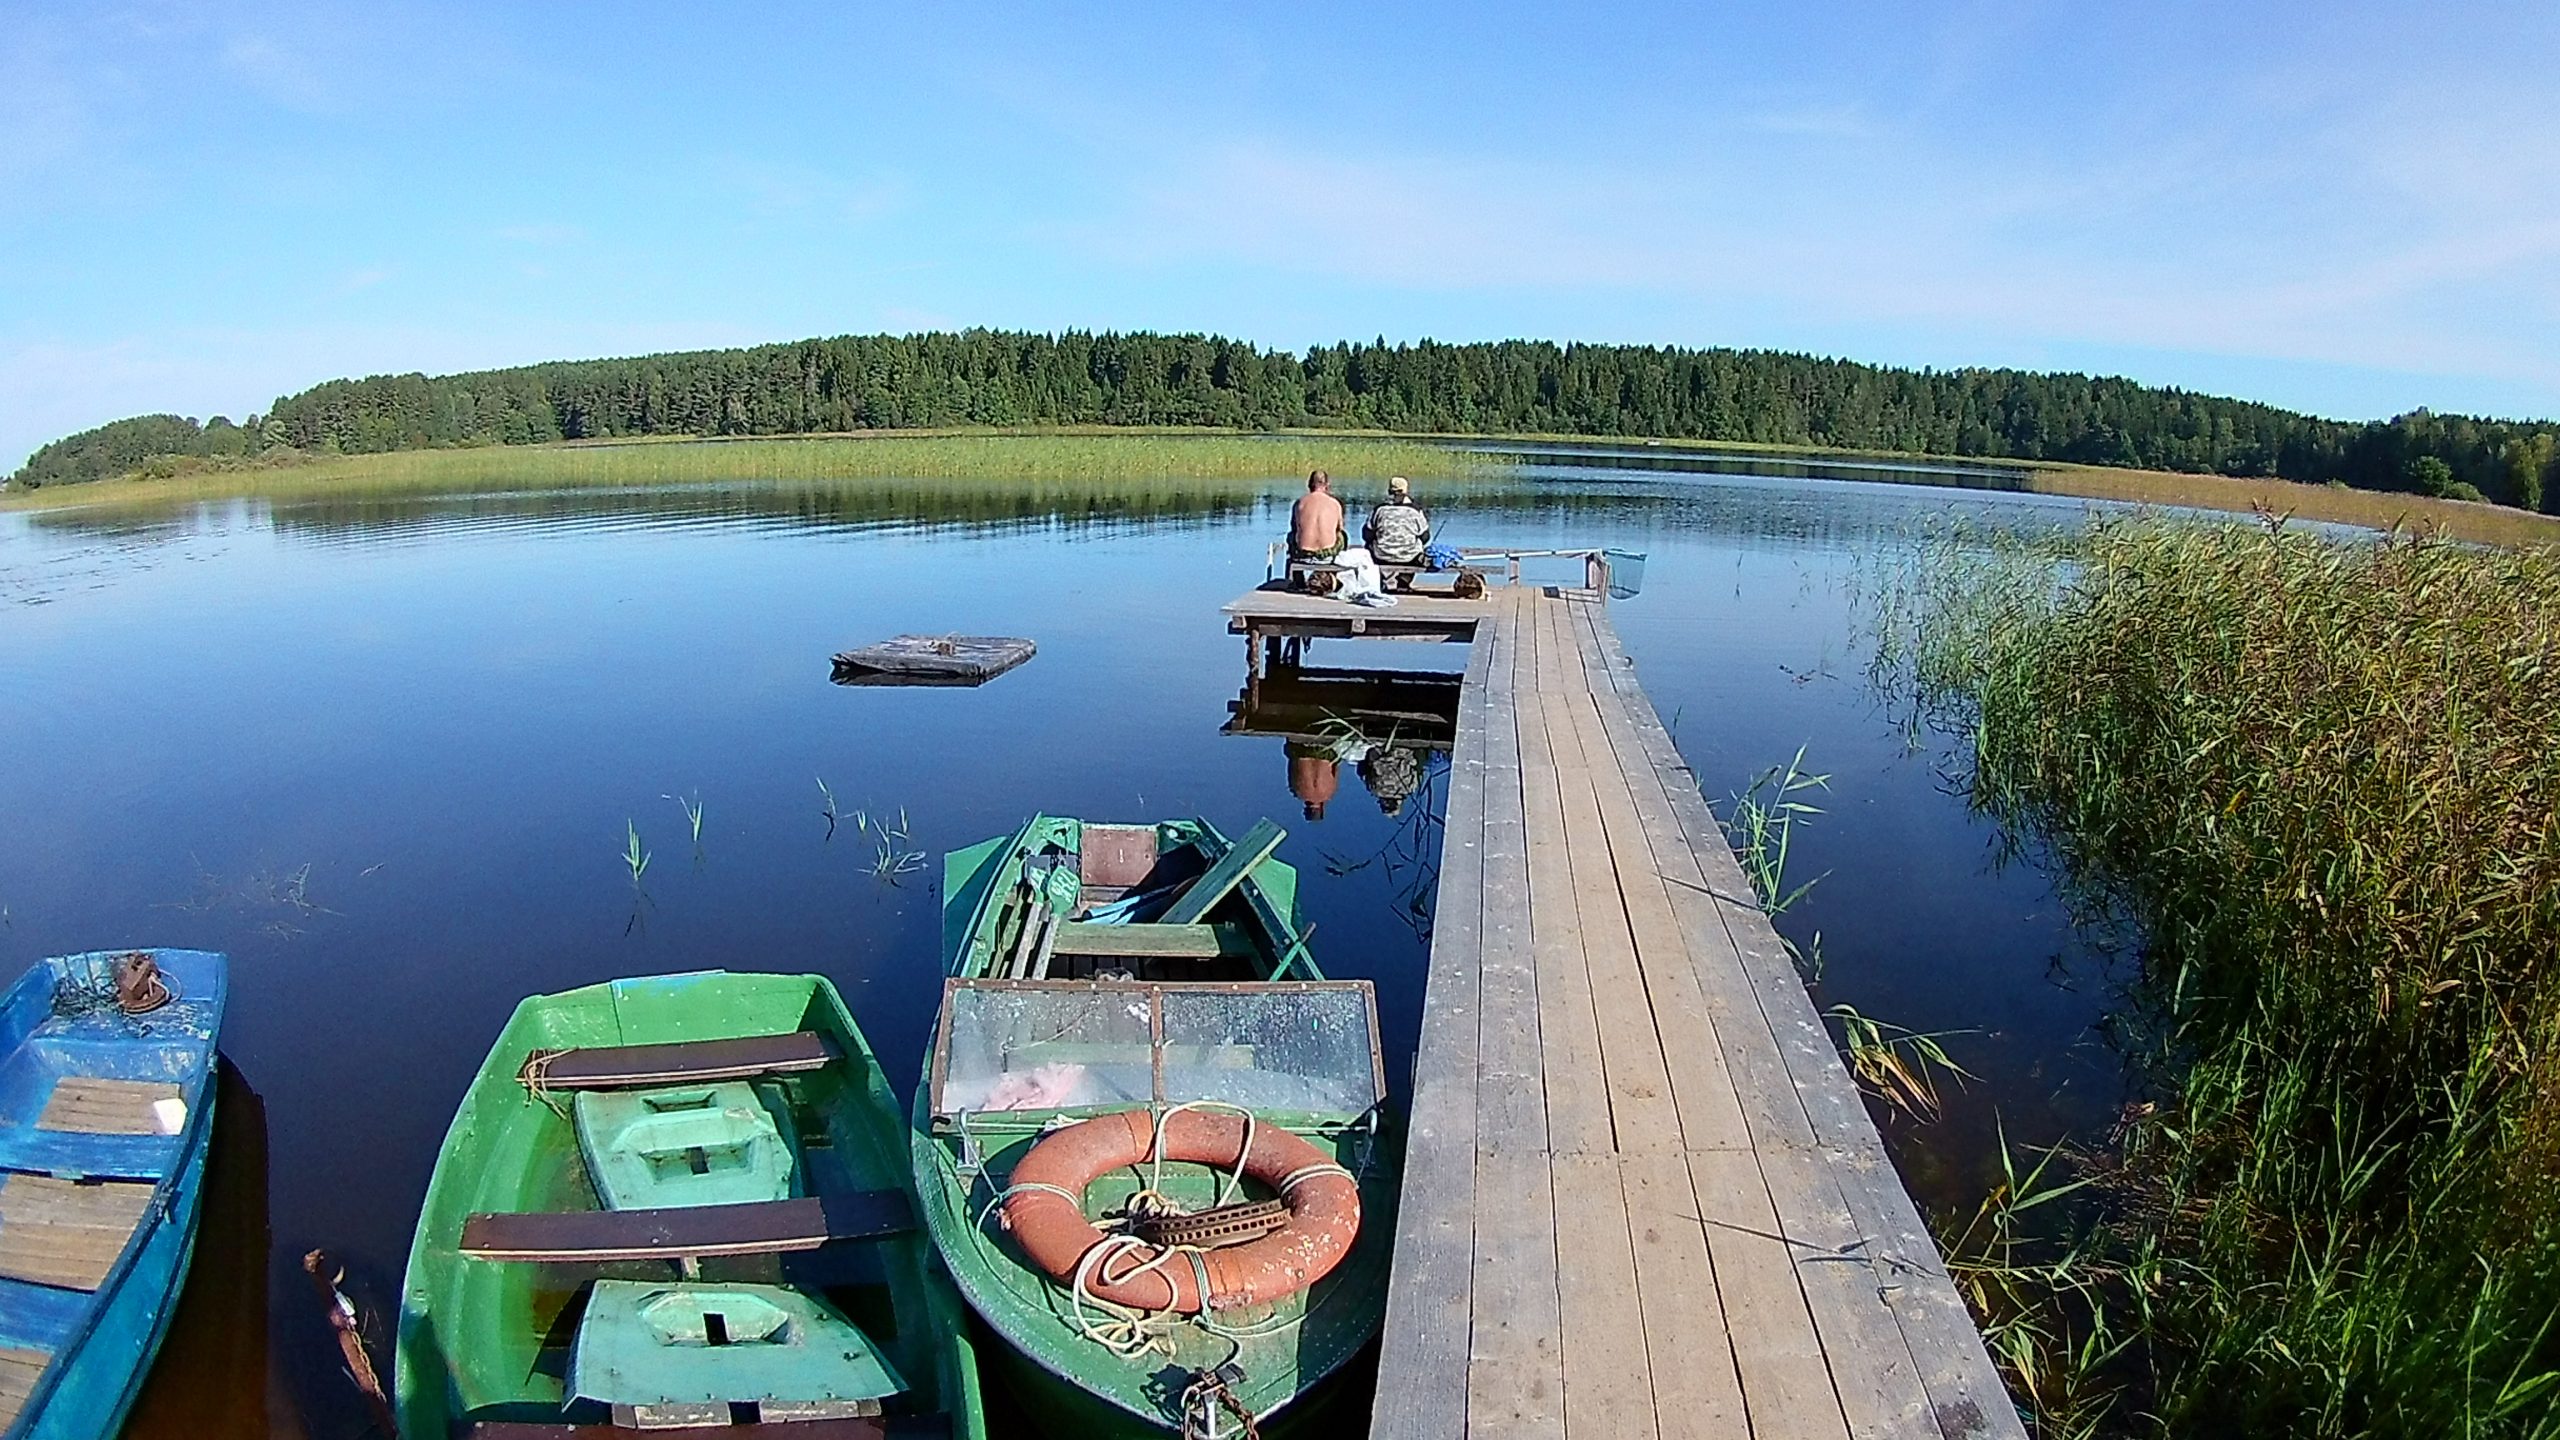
(388, 752)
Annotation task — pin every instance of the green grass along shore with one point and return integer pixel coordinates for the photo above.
(1173, 458)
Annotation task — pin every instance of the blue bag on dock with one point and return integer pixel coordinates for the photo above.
(1440, 555)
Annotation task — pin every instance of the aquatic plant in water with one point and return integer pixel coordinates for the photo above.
(891, 856)
(1897, 1063)
(635, 856)
(692, 806)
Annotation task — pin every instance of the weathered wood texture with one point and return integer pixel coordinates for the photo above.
(680, 1062)
(19, 1371)
(67, 1233)
(967, 658)
(1642, 1196)
(92, 1106)
(756, 1227)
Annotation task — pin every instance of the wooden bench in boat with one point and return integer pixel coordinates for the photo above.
(1202, 895)
(1152, 942)
(66, 1233)
(767, 1227)
(610, 1067)
(870, 1427)
(19, 1372)
(91, 1106)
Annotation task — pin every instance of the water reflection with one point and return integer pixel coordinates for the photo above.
(215, 1379)
(1390, 726)
(1393, 730)
(387, 750)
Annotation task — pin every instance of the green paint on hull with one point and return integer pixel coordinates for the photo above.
(1076, 1385)
(488, 1340)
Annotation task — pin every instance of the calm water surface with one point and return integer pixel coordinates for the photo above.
(384, 752)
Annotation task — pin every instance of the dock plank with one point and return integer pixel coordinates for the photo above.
(1607, 1390)
(1710, 1107)
(1786, 1385)
(1511, 1101)
(1696, 1391)
(1430, 1289)
(1641, 1109)
(1577, 1092)
(1516, 1364)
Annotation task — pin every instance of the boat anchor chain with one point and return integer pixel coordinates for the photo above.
(1211, 1391)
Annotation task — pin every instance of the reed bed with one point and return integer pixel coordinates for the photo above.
(1126, 460)
(2477, 521)
(2319, 777)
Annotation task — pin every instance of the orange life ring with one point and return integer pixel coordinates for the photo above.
(1324, 1211)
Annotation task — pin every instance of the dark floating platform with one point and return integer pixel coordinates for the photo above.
(932, 660)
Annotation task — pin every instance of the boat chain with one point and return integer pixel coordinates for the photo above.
(1211, 1388)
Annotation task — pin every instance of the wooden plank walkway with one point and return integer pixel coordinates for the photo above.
(1642, 1196)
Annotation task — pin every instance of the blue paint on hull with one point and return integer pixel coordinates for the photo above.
(103, 1342)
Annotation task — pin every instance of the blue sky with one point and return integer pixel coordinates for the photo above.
(2345, 208)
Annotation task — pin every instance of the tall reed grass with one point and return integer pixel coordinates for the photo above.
(1139, 459)
(2320, 777)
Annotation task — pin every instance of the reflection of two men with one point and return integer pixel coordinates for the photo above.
(1392, 772)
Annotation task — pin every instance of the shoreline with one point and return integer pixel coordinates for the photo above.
(1001, 453)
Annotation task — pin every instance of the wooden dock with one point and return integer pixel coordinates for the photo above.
(1642, 1195)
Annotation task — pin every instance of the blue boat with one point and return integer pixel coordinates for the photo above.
(106, 1104)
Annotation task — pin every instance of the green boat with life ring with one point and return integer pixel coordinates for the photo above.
(1150, 1138)
(678, 1202)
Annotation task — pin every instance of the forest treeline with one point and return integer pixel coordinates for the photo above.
(981, 377)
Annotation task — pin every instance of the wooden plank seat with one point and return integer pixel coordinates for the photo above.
(66, 1233)
(92, 1106)
(1196, 901)
(870, 1427)
(19, 1372)
(768, 1227)
(1152, 942)
(607, 1067)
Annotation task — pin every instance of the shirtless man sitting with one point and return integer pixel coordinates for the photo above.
(1315, 523)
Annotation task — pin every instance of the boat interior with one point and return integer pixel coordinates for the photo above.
(1147, 903)
(94, 1108)
(699, 1263)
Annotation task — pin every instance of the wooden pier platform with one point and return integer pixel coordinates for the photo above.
(1642, 1195)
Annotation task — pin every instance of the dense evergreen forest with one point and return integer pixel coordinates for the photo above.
(981, 377)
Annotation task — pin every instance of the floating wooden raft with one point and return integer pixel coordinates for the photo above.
(933, 660)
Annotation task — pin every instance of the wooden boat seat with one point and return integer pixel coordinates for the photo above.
(606, 1067)
(66, 1233)
(768, 1227)
(1195, 902)
(93, 1106)
(1153, 942)
(870, 1427)
(19, 1372)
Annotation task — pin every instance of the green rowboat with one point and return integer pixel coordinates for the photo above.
(678, 1200)
(1096, 969)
